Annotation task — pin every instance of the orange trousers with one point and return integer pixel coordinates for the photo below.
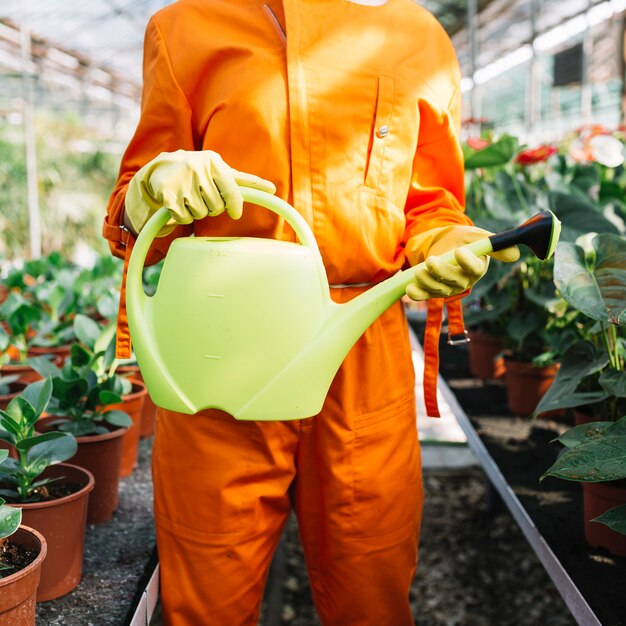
(224, 489)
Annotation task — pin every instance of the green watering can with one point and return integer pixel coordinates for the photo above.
(247, 325)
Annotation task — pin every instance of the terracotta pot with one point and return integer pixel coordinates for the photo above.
(526, 385)
(18, 591)
(57, 351)
(597, 499)
(133, 405)
(485, 355)
(62, 522)
(15, 389)
(102, 456)
(148, 417)
(25, 372)
(4, 293)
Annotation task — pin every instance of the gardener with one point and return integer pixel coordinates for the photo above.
(352, 112)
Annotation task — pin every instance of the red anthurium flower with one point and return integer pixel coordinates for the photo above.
(535, 155)
(477, 144)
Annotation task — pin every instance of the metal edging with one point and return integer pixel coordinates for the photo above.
(576, 603)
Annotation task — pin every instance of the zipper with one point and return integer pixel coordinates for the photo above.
(267, 9)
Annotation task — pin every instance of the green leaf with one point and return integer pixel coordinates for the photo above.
(53, 447)
(79, 356)
(615, 519)
(109, 397)
(38, 394)
(10, 519)
(614, 382)
(87, 330)
(596, 287)
(582, 433)
(44, 367)
(69, 391)
(579, 362)
(3, 455)
(79, 427)
(578, 216)
(21, 411)
(601, 458)
(118, 418)
(498, 153)
(105, 337)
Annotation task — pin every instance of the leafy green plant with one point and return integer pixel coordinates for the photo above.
(19, 315)
(595, 453)
(591, 276)
(10, 516)
(506, 184)
(20, 477)
(87, 383)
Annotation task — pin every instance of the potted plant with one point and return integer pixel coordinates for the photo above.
(594, 455)
(592, 378)
(21, 558)
(84, 401)
(522, 306)
(53, 495)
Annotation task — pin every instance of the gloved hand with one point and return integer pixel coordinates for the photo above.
(438, 279)
(190, 185)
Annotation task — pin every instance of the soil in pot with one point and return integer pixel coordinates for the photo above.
(598, 498)
(133, 405)
(485, 355)
(526, 385)
(25, 551)
(62, 522)
(102, 456)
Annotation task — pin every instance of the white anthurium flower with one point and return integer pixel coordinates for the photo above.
(607, 150)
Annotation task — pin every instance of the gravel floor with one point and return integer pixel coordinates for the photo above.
(476, 568)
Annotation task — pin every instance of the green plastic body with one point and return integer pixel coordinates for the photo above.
(247, 325)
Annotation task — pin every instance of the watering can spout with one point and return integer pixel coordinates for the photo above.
(247, 325)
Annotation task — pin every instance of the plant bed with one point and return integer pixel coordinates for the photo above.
(116, 557)
(522, 450)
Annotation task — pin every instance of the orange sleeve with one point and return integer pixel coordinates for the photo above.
(436, 198)
(165, 125)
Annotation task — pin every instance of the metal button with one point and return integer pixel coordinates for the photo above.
(383, 131)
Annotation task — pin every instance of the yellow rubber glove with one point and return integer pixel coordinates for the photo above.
(438, 279)
(190, 185)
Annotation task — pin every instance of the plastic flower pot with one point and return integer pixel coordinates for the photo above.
(25, 372)
(18, 591)
(526, 385)
(102, 456)
(598, 498)
(485, 358)
(62, 522)
(57, 351)
(133, 405)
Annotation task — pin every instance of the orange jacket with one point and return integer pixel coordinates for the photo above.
(352, 111)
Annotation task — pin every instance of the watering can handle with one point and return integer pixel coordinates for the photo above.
(161, 217)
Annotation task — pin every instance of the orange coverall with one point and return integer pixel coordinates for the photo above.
(353, 112)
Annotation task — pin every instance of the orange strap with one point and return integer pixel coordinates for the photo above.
(123, 349)
(456, 334)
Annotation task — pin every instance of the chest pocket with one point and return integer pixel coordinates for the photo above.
(385, 102)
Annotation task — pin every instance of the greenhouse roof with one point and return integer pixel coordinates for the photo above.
(110, 32)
